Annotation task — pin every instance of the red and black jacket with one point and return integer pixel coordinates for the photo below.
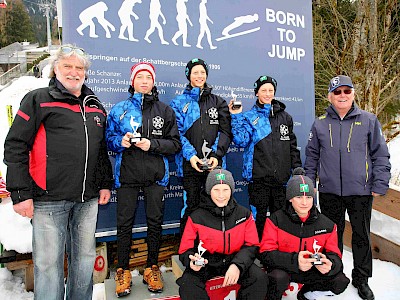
(229, 234)
(285, 235)
(55, 149)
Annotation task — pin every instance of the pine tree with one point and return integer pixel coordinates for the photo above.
(18, 26)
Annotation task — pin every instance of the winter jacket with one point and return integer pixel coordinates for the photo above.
(156, 122)
(55, 149)
(229, 234)
(285, 235)
(201, 116)
(266, 133)
(350, 156)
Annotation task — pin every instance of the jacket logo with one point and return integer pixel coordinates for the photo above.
(158, 122)
(97, 120)
(240, 220)
(284, 130)
(185, 108)
(213, 113)
(255, 121)
(320, 231)
(357, 123)
(310, 136)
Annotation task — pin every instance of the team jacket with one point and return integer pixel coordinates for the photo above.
(201, 116)
(285, 235)
(229, 234)
(266, 133)
(155, 121)
(55, 149)
(350, 156)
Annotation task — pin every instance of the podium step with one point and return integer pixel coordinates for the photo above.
(140, 291)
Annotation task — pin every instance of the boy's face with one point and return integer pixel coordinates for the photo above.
(266, 93)
(220, 194)
(143, 82)
(302, 204)
(198, 76)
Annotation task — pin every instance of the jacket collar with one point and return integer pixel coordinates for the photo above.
(207, 204)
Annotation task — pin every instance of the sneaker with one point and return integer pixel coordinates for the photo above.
(123, 282)
(364, 291)
(153, 278)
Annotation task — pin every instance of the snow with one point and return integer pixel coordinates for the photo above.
(386, 276)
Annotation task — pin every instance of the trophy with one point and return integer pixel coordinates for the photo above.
(316, 254)
(135, 135)
(205, 161)
(236, 103)
(200, 251)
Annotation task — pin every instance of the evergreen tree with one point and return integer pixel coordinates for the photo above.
(18, 26)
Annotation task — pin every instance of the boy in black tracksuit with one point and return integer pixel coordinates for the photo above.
(292, 235)
(141, 164)
(203, 119)
(228, 233)
(266, 133)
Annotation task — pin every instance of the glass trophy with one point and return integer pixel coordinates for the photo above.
(205, 160)
(200, 251)
(316, 255)
(136, 136)
(237, 104)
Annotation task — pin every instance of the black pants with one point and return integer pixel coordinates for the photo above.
(263, 196)
(253, 283)
(359, 209)
(192, 184)
(126, 207)
(279, 281)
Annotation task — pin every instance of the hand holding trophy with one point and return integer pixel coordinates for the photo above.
(237, 104)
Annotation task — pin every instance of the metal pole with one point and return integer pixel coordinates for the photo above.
(48, 26)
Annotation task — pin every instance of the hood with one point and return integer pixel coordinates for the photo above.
(207, 204)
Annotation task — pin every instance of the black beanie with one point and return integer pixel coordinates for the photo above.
(219, 176)
(299, 185)
(192, 63)
(262, 80)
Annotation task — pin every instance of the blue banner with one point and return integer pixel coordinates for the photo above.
(239, 40)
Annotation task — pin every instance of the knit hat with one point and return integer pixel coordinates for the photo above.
(263, 80)
(142, 67)
(299, 185)
(338, 81)
(192, 63)
(219, 176)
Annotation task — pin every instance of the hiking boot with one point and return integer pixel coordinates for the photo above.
(153, 278)
(364, 291)
(123, 282)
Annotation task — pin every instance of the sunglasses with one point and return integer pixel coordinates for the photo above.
(338, 92)
(69, 49)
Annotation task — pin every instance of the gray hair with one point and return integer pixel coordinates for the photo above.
(60, 54)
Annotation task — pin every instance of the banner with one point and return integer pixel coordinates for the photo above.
(239, 40)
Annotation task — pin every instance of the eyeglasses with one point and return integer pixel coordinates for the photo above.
(69, 49)
(338, 92)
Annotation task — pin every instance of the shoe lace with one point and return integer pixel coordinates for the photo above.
(155, 273)
(121, 278)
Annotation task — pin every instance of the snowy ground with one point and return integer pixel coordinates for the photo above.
(386, 276)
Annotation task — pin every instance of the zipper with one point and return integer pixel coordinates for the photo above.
(223, 228)
(340, 159)
(301, 235)
(366, 165)
(350, 135)
(330, 135)
(83, 113)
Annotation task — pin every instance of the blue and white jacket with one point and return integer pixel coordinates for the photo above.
(133, 166)
(201, 116)
(266, 133)
(350, 156)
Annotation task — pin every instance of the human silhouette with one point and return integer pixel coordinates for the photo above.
(95, 11)
(181, 18)
(203, 25)
(155, 12)
(125, 12)
(239, 21)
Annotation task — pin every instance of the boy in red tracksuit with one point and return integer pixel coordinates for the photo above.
(227, 232)
(290, 239)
